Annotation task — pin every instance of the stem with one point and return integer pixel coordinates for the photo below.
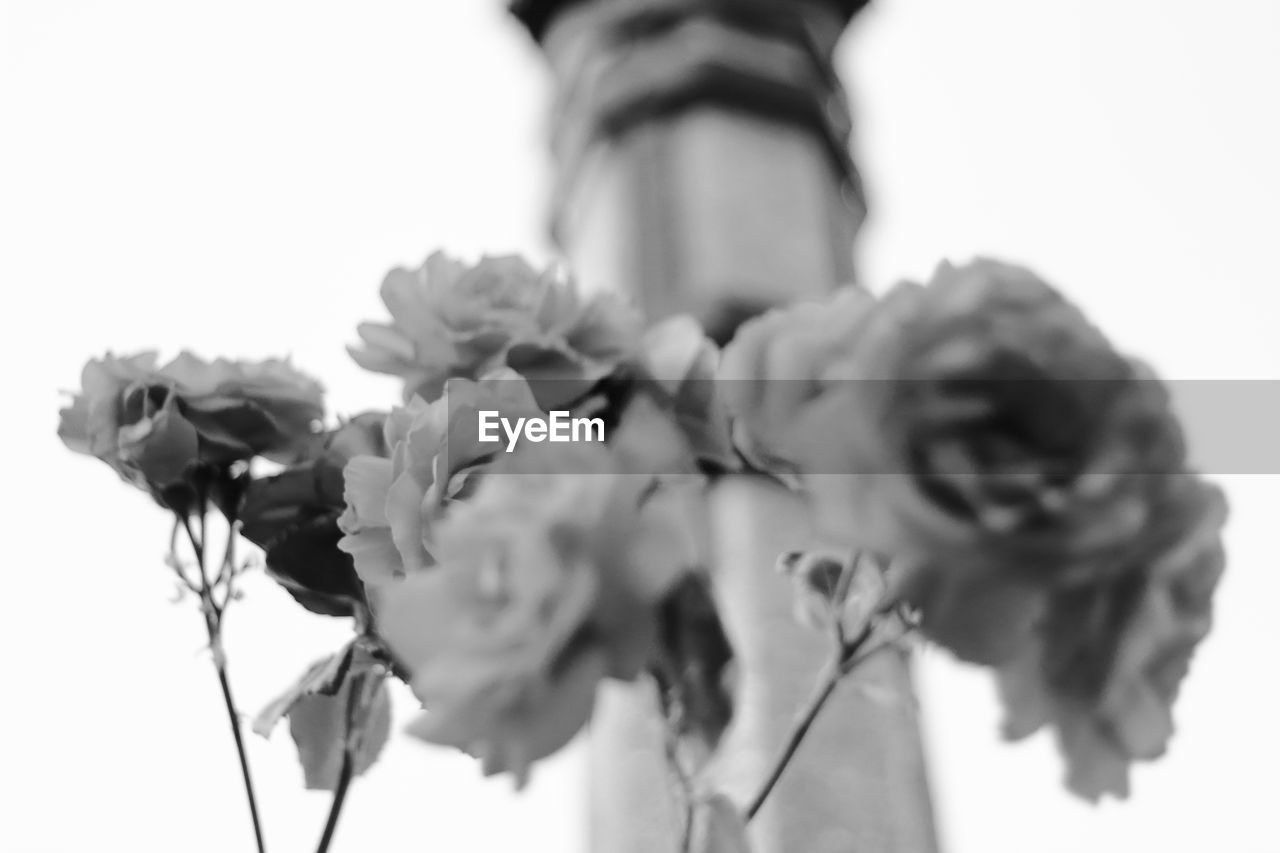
(339, 797)
(826, 685)
(213, 625)
(234, 717)
(350, 740)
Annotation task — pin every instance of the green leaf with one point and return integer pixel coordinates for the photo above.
(319, 725)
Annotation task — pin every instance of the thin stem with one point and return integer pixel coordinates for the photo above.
(339, 797)
(825, 686)
(234, 718)
(213, 625)
(356, 701)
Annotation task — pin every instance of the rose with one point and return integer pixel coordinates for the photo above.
(980, 431)
(776, 366)
(1108, 658)
(392, 504)
(154, 426)
(449, 319)
(546, 583)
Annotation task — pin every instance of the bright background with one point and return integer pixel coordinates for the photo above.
(236, 177)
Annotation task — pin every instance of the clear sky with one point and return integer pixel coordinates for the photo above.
(237, 177)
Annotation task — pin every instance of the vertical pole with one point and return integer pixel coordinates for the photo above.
(702, 152)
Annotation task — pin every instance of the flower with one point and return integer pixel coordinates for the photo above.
(449, 319)
(1109, 657)
(775, 367)
(983, 434)
(392, 504)
(152, 425)
(546, 583)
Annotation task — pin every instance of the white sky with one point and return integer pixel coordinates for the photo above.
(236, 178)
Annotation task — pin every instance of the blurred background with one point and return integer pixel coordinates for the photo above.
(237, 177)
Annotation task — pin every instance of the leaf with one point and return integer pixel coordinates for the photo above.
(293, 517)
(719, 827)
(307, 562)
(319, 727)
(694, 667)
(324, 677)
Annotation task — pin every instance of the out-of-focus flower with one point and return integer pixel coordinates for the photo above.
(546, 583)
(449, 319)
(1108, 658)
(153, 424)
(777, 365)
(981, 432)
(393, 504)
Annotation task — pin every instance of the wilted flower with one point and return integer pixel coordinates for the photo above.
(393, 504)
(153, 424)
(449, 319)
(778, 364)
(986, 436)
(546, 583)
(1108, 657)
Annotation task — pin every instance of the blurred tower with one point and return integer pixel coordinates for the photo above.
(703, 167)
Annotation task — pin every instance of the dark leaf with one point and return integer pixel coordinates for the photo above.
(306, 561)
(694, 666)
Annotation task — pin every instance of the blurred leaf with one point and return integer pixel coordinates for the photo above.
(323, 677)
(695, 667)
(719, 827)
(319, 725)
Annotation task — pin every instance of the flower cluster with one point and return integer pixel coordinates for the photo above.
(156, 425)
(981, 435)
(545, 584)
(979, 461)
(450, 320)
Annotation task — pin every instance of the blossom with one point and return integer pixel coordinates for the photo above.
(392, 504)
(449, 319)
(153, 424)
(546, 583)
(986, 436)
(1108, 658)
(776, 366)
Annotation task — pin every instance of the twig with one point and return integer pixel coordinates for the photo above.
(826, 685)
(848, 654)
(213, 625)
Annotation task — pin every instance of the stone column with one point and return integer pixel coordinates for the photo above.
(703, 167)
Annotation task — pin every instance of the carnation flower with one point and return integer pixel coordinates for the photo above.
(980, 431)
(546, 583)
(393, 504)
(776, 366)
(1108, 657)
(152, 425)
(449, 319)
